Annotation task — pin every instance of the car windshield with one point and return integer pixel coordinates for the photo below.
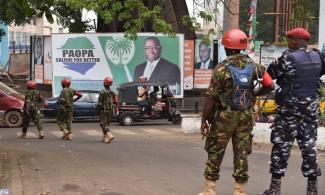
(7, 89)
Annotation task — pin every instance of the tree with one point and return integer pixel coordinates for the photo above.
(303, 13)
(306, 14)
(129, 16)
(264, 23)
(71, 19)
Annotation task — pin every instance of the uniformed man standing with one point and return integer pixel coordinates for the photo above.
(297, 73)
(105, 103)
(65, 112)
(31, 109)
(228, 110)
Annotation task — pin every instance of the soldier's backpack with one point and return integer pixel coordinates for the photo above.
(107, 101)
(241, 97)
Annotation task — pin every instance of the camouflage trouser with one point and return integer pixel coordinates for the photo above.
(289, 125)
(236, 125)
(64, 119)
(104, 121)
(31, 115)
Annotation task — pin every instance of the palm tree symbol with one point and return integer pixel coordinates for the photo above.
(120, 47)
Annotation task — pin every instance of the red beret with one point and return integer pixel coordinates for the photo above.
(299, 33)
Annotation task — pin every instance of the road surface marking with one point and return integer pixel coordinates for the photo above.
(29, 134)
(123, 132)
(92, 132)
(154, 131)
(178, 129)
(56, 133)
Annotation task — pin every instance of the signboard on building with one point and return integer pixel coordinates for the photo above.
(270, 53)
(19, 64)
(204, 64)
(188, 64)
(88, 58)
(4, 46)
(37, 59)
(47, 60)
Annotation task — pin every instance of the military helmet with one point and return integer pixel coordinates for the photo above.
(108, 81)
(234, 39)
(65, 82)
(31, 84)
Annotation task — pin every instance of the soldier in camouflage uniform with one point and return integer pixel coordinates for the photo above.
(297, 72)
(228, 120)
(105, 103)
(65, 112)
(32, 100)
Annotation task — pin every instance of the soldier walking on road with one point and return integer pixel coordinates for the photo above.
(227, 111)
(297, 73)
(31, 109)
(105, 103)
(65, 112)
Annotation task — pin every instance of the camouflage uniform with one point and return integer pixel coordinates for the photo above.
(65, 112)
(32, 100)
(296, 118)
(229, 123)
(105, 108)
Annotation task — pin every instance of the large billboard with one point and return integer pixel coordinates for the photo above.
(88, 58)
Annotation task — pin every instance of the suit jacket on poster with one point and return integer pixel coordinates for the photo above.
(198, 65)
(164, 71)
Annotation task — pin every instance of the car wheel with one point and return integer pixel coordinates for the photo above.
(14, 118)
(127, 120)
(177, 119)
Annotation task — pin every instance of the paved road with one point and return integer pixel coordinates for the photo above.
(146, 159)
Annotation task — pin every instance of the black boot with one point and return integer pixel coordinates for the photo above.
(275, 188)
(312, 187)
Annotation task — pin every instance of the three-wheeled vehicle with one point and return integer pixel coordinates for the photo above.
(134, 106)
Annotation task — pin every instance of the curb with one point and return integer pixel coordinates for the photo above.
(191, 124)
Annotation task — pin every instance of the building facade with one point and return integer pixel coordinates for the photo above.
(17, 38)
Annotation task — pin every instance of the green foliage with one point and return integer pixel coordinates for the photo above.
(204, 15)
(304, 11)
(16, 11)
(132, 13)
(322, 92)
(264, 23)
(71, 18)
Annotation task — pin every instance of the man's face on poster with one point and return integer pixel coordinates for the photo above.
(204, 52)
(152, 50)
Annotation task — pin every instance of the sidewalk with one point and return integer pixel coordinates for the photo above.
(191, 124)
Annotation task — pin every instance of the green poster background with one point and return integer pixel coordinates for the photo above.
(170, 51)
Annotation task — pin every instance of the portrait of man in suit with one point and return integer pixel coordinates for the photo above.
(156, 68)
(38, 50)
(205, 60)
